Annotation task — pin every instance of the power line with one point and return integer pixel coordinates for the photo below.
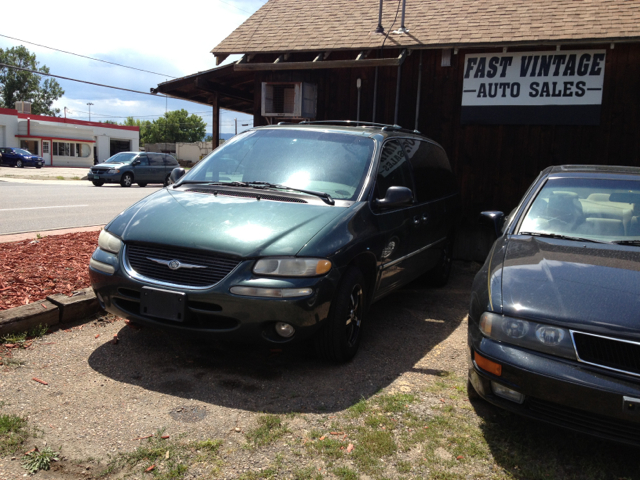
(82, 81)
(85, 56)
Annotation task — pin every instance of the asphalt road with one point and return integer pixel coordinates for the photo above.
(29, 207)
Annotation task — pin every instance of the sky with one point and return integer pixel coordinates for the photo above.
(173, 40)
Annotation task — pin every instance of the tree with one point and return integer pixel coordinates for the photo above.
(145, 127)
(19, 85)
(175, 126)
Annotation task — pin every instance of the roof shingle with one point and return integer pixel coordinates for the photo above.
(303, 25)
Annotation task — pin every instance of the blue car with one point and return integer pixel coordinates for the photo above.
(19, 157)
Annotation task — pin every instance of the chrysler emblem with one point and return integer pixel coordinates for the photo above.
(175, 264)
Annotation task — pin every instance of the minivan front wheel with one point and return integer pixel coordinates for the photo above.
(98, 183)
(439, 276)
(127, 180)
(340, 338)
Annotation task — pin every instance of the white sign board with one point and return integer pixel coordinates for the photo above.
(560, 87)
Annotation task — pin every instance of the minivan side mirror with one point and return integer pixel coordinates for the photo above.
(395, 197)
(176, 174)
(495, 218)
(135, 162)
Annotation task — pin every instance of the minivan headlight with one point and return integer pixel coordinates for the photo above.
(532, 335)
(111, 171)
(108, 242)
(292, 267)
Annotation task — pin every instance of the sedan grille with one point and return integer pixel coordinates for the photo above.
(585, 421)
(216, 267)
(608, 352)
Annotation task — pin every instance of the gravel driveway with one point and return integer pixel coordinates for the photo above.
(102, 396)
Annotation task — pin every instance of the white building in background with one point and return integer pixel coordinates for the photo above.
(64, 142)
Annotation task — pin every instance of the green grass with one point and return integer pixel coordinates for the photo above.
(270, 428)
(19, 338)
(171, 458)
(344, 473)
(39, 460)
(59, 177)
(13, 433)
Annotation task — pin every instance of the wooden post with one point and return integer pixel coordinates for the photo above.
(216, 120)
(257, 100)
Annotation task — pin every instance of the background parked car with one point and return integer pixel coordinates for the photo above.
(285, 233)
(554, 330)
(19, 157)
(127, 168)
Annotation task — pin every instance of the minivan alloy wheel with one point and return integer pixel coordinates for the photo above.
(127, 180)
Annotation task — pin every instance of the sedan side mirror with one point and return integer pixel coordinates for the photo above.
(395, 197)
(495, 218)
(176, 174)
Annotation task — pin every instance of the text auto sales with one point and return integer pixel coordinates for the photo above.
(554, 65)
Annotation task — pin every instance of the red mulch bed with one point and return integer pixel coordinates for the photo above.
(31, 270)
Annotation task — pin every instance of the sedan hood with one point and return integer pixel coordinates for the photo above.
(236, 226)
(573, 283)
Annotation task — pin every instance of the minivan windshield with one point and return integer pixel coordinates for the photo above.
(335, 163)
(595, 209)
(123, 157)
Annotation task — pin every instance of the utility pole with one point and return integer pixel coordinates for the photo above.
(89, 103)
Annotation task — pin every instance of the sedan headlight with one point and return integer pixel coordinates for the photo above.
(108, 242)
(292, 267)
(532, 335)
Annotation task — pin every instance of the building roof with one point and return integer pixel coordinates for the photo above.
(311, 25)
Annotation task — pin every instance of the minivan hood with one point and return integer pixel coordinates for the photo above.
(573, 283)
(236, 226)
(109, 165)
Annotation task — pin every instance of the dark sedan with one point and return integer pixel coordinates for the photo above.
(554, 321)
(19, 157)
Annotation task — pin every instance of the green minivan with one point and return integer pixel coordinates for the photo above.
(283, 234)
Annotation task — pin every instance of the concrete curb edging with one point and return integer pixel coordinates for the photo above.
(52, 311)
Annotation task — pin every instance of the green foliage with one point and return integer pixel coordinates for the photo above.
(20, 85)
(39, 459)
(172, 127)
(344, 473)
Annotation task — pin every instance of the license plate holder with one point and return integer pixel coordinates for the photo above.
(164, 304)
(96, 176)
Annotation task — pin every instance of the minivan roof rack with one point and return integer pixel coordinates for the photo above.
(358, 123)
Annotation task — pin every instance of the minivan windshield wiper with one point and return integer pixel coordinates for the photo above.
(324, 196)
(205, 182)
(561, 237)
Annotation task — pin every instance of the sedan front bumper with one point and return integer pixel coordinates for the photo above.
(558, 391)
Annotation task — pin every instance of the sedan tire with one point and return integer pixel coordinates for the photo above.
(127, 180)
(39, 166)
(19, 164)
(340, 338)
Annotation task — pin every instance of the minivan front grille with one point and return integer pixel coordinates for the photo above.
(213, 267)
(611, 353)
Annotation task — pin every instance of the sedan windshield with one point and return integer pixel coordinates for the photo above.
(600, 210)
(22, 151)
(126, 158)
(333, 163)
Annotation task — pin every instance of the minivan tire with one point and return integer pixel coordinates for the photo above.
(339, 339)
(166, 181)
(127, 180)
(98, 183)
(142, 184)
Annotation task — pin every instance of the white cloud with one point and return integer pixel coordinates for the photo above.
(174, 42)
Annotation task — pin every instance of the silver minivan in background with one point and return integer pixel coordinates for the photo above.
(127, 168)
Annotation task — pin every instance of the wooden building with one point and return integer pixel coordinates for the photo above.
(508, 88)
